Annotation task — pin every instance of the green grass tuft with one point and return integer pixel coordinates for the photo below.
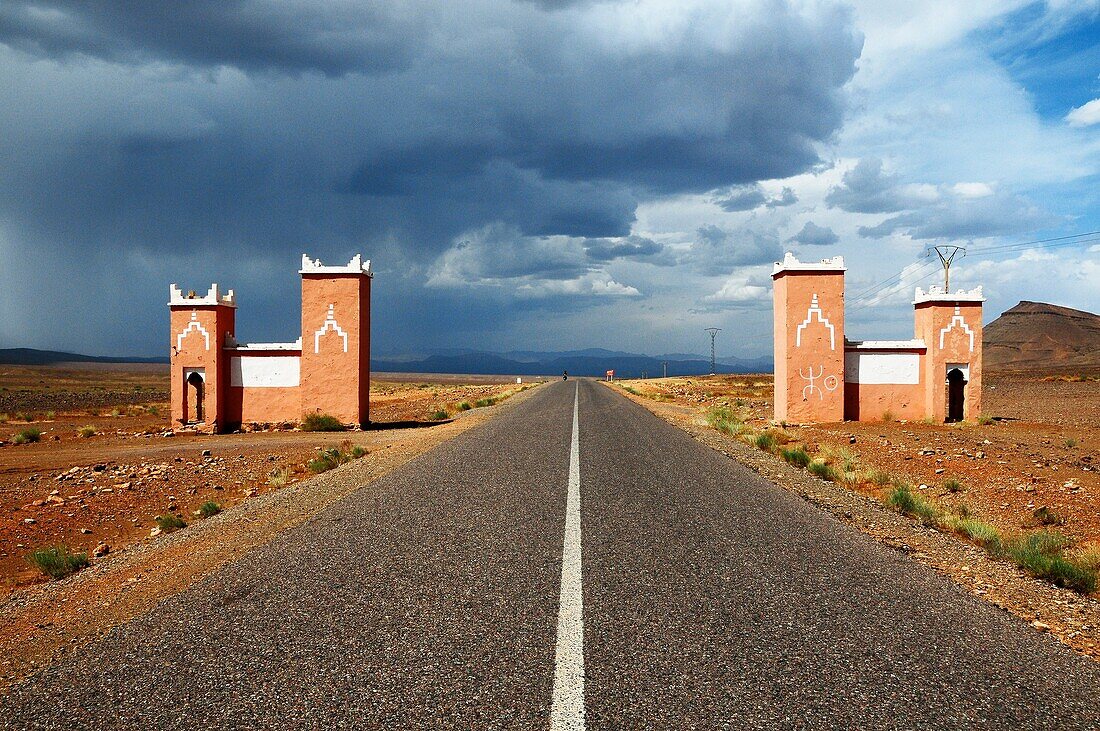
(953, 485)
(209, 509)
(725, 420)
(465, 406)
(57, 562)
(798, 456)
(87, 431)
(985, 420)
(765, 441)
(903, 499)
(1040, 554)
(440, 415)
(483, 402)
(169, 522)
(321, 422)
(822, 469)
(27, 436)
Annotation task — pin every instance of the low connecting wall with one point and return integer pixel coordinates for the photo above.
(884, 380)
(264, 386)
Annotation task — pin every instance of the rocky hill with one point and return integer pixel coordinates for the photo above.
(1036, 336)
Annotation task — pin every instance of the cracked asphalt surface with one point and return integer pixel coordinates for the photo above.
(429, 598)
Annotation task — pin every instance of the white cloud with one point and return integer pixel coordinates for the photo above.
(1085, 115)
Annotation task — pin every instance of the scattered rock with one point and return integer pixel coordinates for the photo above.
(101, 550)
(86, 531)
(29, 521)
(154, 532)
(206, 453)
(1041, 626)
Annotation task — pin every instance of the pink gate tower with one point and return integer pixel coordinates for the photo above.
(821, 376)
(219, 382)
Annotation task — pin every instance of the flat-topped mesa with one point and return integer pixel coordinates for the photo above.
(177, 298)
(791, 264)
(355, 266)
(936, 293)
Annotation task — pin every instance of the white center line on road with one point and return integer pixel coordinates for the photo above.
(567, 706)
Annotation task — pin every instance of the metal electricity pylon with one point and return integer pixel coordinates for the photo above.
(664, 369)
(946, 254)
(713, 332)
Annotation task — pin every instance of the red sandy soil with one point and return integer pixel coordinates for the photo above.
(108, 488)
(1040, 452)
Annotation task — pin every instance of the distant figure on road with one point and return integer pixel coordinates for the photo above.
(565, 375)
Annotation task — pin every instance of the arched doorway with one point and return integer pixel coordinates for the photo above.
(196, 392)
(956, 395)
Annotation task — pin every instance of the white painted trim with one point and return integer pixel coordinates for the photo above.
(964, 367)
(355, 266)
(265, 371)
(882, 368)
(176, 297)
(815, 309)
(567, 700)
(193, 325)
(957, 319)
(330, 324)
(232, 344)
(938, 294)
(885, 345)
(188, 371)
(791, 264)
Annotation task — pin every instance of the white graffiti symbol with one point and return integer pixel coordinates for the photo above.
(829, 383)
(815, 313)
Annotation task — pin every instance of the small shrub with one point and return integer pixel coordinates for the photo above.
(153, 410)
(24, 416)
(57, 562)
(357, 451)
(321, 422)
(798, 457)
(5, 418)
(278, 477)
(631, 389)
(209, 509)
(115, 412)
(985, 535)
(483, 402)
(465, 406)
(984, 420)
(888, 416)
(51, 415)
(440, 415)
(27, 436)
(87, 431)
(327, 459)
(1071, 443)
(170, 522)
(952, 485)
(1045, 516)
(765, 441)
(821, 469)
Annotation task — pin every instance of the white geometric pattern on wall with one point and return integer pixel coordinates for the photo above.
(193, 325)
(330, 324)
(815, 311)
(957, 320)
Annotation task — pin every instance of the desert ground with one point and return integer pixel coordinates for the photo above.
(1030, 464)
(107, 462)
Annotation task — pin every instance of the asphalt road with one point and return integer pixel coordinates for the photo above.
(694, 594)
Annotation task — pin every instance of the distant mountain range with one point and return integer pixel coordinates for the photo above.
(587, 362)
(31, 356)
(1035, 336)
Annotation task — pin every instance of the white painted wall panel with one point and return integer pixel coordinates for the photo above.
(254, 371)
(882, 368)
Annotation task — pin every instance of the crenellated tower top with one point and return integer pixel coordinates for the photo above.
(176, 297)
(936, 293)
(355, 266)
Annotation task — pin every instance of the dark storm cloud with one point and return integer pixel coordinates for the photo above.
(255, 34)
(742, 198)
(814, 235)
(629, 247)
(222, 139)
